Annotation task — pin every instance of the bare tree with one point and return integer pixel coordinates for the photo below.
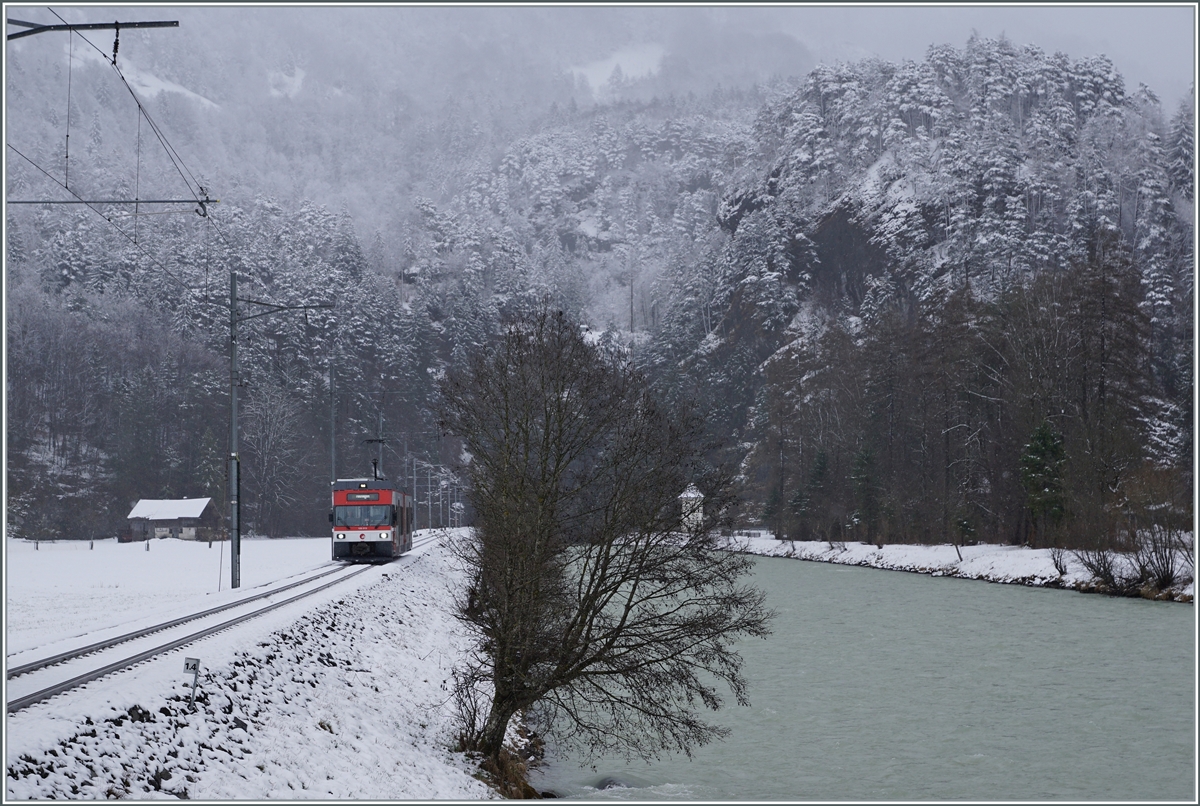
(273, 452)
(597, 611)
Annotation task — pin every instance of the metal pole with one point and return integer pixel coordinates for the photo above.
(36, 28)
(779, 511)
(429, 496)
(332, 421)
(235, 526)
(111, 201)
(381, 473)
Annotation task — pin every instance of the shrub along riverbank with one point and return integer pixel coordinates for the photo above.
(1110, 572)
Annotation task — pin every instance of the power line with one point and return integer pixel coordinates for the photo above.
(70, 71)
(137, 190)
(89, 205)
(111, 201)
(213, 223)
(172, 154)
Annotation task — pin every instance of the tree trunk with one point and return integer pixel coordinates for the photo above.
(491, 740)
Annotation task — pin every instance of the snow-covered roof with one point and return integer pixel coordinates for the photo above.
(168, 510)
(691, 492)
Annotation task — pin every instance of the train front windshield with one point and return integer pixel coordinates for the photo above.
(376, 515)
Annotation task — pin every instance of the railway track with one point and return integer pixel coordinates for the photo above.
(62, 657)
(107, 656)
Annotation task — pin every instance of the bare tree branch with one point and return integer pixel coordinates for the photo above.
(596, 608)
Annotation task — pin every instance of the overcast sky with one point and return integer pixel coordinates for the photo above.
(1149, 43)
(1152, 44)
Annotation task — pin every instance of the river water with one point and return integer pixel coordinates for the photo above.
(894, 686)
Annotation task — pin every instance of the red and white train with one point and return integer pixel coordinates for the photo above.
(372, 520)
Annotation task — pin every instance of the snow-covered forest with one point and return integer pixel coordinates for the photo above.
(946, 299)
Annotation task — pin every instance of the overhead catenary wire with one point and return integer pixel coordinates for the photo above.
(137, 181)
(207, 256)
(109, 201)
(70, 70)
(160, 212)
(90, 206)
(217, 229)
(172, 154)
(177, 161)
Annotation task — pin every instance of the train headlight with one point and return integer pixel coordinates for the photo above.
(383, 535)
(341, 536)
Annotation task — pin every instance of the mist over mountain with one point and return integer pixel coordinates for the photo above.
(879, 280)
(363, 106)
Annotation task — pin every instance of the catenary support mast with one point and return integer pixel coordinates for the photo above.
(235, 526)
(235, 523)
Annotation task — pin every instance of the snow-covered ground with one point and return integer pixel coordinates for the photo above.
(342, 695)
(1008, 564)
(57, 590)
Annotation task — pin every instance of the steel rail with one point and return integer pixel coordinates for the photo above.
(71, 654)
(87, 677)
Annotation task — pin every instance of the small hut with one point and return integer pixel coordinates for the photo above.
(184, 518)
(692, 502)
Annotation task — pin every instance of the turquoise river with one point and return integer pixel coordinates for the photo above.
(884, 685)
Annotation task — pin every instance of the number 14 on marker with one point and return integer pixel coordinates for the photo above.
(192, 666)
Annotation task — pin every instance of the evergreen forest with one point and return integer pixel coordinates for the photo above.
(946, 300)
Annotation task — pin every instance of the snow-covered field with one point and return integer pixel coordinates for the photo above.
(1008, 564)
(56, 590)
(342, 695)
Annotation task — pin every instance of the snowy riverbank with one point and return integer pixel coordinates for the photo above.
(345, 697)
(1014, 565)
